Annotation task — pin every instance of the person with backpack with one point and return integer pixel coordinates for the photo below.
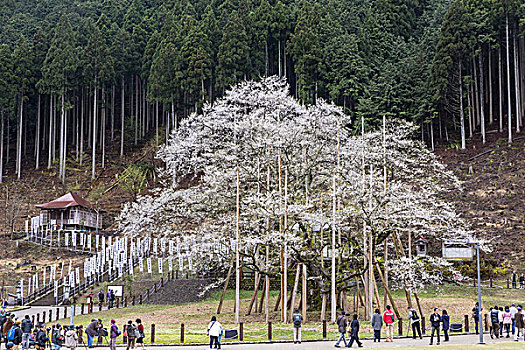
(494, 320)
(27, 327)
(507, 320)
(214, 331)
(140, 328)
(414, 322)
(8, 324)
(71, 338)
(389, 318)
(41, 338)
(131, 334)
(476, 312)
(354, 333)
(341, 327)
(113, 334)
(297, 321)
(377, 324)
(435, 321)
(15, 335)
(57, 337)
(520, 324)
(445, 319)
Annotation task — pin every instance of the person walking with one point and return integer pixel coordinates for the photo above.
(131, 333)
(388, 319)
(513, 311)
(445, 319)
(140, 328)
(91, 332)
(112, 297)
(520, 325)
(494, 320)
(71, 338)
(435, 321)
(522, 281)
(297, 320)
(214, 331)
(507, 320)
(101, 297)
(354, 333)
(341, 327)
(57, 337)
(415, 322)
(377, 324)
(26, 327)
(514, 279)
(114, 332)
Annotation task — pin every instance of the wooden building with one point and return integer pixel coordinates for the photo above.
(69, 212)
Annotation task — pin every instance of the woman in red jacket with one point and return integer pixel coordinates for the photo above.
(140, 328)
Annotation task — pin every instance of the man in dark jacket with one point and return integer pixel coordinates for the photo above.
(354, 333)
(18, 334)
(435, 321)
(27, 327)
(101, 297)
(341, 327)
(445, 318)
(41, 337)
(92, 331)
(58, 337)
(476, 312)
(494, 320)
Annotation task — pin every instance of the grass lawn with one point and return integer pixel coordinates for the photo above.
(168, 318)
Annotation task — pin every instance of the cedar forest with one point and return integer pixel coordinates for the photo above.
(79, 76)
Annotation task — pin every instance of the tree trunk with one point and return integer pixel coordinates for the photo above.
(491, 117)
(103, 128)
(469, 112)
(500, 89)
(477, 98)
(62, 136)
(19, 141)
(50, 148)
(517, 84)
(64, 148)
(37, 135)
(122, 95)
(461, 112)
(82, 104)
(136, 109)
(482, 94)
(94, 145)
(2, 148)
(157, 123)
(112, 111)
(509, 111)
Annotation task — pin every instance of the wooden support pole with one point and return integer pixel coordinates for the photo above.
(304, 296)
(223, 290)
(254, 296)
(182, 332)
(263, 295)
(387, 290)
(294, 291)
(376, 292)
(277, 302)
(153, 333)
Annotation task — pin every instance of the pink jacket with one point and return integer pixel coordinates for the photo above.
(389, 316)
(507, 317)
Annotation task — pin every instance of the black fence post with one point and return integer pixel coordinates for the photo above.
(324, 330)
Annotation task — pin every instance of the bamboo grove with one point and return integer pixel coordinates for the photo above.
(84, 80)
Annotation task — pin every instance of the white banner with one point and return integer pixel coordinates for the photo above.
(66, 238)
(170, 263)
(155, 246)
(149, 264)
(141, 265)
(89, 242)
(131, 266)
(170, 247)
(77, 274)
(160, 265)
